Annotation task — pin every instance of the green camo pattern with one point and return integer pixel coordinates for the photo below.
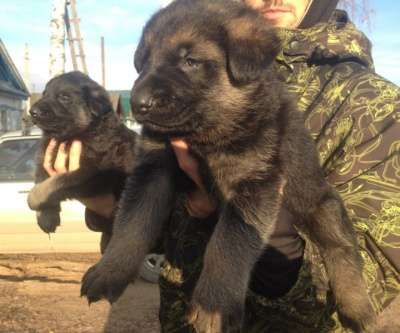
(353, 115)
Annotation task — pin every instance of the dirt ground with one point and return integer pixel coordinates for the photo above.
(40, 294)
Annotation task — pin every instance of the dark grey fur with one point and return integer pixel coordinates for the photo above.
(206, 75)
(75, 107)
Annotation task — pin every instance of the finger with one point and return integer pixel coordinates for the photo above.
(181, 149)
(282, 187)
(75, 152)
(48, 157)
(60, 164)
(179, 143)
(199, 204)
(195, 211)
(186, 161)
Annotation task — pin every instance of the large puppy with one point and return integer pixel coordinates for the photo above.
(206, 76)
(75, 107)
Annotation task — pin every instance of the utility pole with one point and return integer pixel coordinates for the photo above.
(27, 77)
(57, 39)
(26, 121)
(103, 65)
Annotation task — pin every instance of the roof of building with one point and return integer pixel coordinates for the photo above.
(11, 81)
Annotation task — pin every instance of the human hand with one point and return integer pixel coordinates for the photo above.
(199, 203)
(68, 160)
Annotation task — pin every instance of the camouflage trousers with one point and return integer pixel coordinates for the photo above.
(307, 308)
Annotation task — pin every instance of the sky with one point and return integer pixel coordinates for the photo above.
(121, 23)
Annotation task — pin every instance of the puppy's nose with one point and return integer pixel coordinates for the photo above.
(35, 112)
(146, 103)
(143, 101)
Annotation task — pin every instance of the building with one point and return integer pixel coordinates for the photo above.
(13, 93)
(120, 101)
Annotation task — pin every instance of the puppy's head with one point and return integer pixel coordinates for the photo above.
(70, 104)
(200, 65)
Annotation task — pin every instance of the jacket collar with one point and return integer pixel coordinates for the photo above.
(335, 41)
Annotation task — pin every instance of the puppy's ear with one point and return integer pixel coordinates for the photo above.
(142, 52)
(251, 47)
(140, 55)
(96, 98)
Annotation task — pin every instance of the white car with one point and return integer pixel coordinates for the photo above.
(19, 232)
(18, 228)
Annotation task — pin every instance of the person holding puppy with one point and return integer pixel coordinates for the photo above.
(353, 115)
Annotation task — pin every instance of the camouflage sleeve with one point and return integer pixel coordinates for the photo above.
(364, 160)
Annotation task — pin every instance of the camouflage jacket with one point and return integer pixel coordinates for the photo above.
(354, 116)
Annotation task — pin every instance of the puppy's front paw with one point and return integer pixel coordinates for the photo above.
(38, 197)
(105, 280)
(48, 219)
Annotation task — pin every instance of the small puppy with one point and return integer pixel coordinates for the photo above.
(206, 75)
(75, 107)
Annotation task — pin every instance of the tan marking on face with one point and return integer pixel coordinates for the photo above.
(186, 33)
(202, 48)
(227, 95)
(240, 28)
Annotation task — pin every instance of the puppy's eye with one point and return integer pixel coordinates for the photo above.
(64, 98)
(192, 63)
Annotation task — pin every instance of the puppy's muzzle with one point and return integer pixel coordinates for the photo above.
(143, 101)
(40, 112)
(159, 109)
(35, 112)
